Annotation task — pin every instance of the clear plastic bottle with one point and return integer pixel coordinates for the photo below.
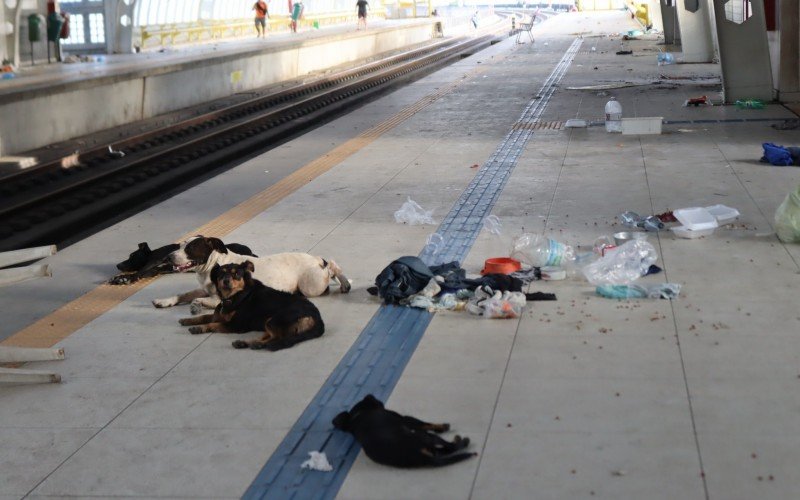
(539, 251)
(665, 58)
(613, 115)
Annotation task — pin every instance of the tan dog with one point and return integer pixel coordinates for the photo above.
(290, 272)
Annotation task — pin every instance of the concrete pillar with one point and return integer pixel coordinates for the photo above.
(695, 23)
(789, 53)
(654, 8)
(3, 34)
(9, 31)
(119, 26)
(669, 20)
(744, 54)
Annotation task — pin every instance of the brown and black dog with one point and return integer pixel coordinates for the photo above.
(248, 305)
(399, 440)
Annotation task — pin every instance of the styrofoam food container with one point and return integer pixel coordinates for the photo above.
(723, 214)
(696, 218)
(685, 232)
(642, 125)
(576, 123)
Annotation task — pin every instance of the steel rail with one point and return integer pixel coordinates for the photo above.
(58, 209)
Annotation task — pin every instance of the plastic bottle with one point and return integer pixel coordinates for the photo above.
(539, 251)
(665, 58)
(613, 115)
(749, 104)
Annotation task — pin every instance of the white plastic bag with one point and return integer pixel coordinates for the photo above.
(787, 218)
(413, 214)
(622, 265)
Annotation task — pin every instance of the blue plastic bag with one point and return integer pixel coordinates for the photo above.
(776, 155)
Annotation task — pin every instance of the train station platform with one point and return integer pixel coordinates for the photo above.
(582, 397)
(56, 102)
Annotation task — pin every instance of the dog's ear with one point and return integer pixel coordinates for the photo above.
(215, 273)
(217, 244)
(144, 246)
(342, 421)
(372, 401)
(248, 266)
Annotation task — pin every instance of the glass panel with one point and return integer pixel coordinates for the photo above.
(76, 35)
(97, 29)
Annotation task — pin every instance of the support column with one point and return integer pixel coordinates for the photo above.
(119, 26)
(789, 65)
(654, 8)
(695, 23)
(744, 54)
(10, 36)
(669, 19)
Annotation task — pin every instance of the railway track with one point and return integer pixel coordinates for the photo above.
(54, 202)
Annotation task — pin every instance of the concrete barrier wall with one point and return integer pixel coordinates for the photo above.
(36, 117)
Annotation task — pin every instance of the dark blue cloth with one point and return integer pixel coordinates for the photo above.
(776, 155)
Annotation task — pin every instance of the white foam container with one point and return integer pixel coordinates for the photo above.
(723, 214)
(576, 123)
(642, 125)
(696, 218)
(684, 232)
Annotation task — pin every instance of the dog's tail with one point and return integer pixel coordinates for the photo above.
(451, 459)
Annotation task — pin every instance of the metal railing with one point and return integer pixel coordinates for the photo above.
(161, 35)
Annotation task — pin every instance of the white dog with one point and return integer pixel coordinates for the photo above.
(289, 272)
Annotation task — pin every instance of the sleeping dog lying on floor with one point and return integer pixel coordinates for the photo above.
(248, 305)
(290, 272)
(146, 263)
(401, 441)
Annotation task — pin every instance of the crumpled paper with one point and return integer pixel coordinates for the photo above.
(318, 461)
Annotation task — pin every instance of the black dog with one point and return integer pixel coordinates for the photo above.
(401, 441)
(248, 305)
(146, 263)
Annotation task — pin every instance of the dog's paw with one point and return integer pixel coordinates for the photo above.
(442, 428)
(345, 286)
(165, 302)
(462, 442)
(185, 321)
(239, 344)
(197, 329)
(195, 307)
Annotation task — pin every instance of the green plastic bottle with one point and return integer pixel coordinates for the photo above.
(749, 104)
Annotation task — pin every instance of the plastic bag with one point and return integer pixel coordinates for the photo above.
(413, 214)
(776, 155)
(622, 265)
(497, 308)
(435, 243)
(787, 218)
(657, 291)
(493, 225)
(496, 305)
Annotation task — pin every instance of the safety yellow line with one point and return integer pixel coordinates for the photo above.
(69, 318)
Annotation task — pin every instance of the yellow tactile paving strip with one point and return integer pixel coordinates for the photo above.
(67, 319)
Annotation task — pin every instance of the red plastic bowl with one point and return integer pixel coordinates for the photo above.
(501, 265)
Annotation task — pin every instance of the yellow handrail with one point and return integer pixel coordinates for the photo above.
(185, 33)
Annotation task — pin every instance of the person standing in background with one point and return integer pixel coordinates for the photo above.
(297, 12)
(361, 7)
(262, 13)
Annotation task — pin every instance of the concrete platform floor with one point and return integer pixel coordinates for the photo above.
(580, 398)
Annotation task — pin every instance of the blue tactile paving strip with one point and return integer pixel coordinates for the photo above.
(377, 359)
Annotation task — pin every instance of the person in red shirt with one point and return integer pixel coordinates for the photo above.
(262, 13)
